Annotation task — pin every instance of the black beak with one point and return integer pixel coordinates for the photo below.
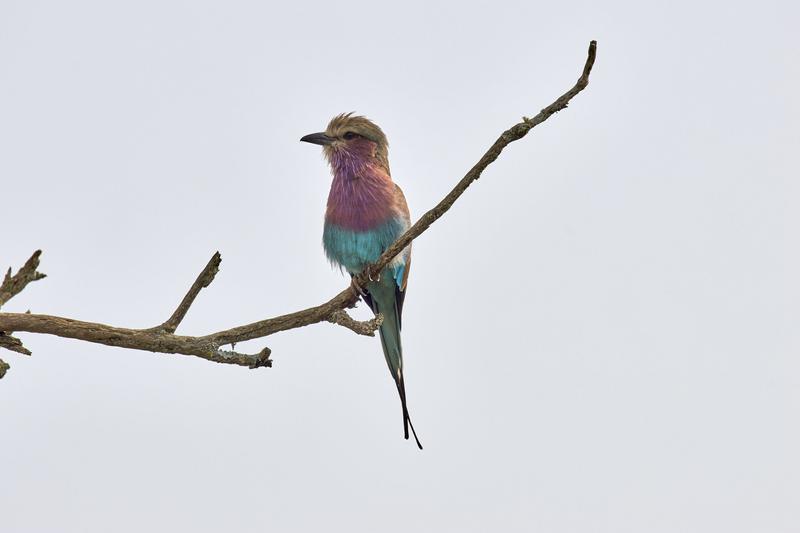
(317, 138)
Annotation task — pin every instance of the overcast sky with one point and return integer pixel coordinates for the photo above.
(601, 336)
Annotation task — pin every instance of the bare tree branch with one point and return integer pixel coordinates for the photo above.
(12, 343)
(514, 133)
(13, 285)
(368, 327)
(162, 338)
(203, 280)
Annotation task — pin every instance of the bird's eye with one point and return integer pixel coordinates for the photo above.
(350, 135)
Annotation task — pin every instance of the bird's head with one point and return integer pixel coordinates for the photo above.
(352, 137)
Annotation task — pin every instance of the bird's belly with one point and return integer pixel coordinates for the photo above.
(355, 249)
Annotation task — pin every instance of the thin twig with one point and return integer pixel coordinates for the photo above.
(203, 280)
(516, 132)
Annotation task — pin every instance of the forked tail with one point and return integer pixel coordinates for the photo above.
(401, 388)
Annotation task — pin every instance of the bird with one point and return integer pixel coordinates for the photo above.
(366, 212)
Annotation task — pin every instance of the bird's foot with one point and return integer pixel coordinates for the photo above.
(377, 277)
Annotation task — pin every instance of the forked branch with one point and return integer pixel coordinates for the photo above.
(162, 338)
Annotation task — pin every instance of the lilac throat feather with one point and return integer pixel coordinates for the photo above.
(362, 194)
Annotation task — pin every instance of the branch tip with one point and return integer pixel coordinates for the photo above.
(262, 359)
(13, 285)
(12, 343)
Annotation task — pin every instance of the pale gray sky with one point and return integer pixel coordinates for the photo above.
(601, 336)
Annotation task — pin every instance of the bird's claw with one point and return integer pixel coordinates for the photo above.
(369, 275)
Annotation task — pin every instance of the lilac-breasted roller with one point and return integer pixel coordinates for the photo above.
(366, 213)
